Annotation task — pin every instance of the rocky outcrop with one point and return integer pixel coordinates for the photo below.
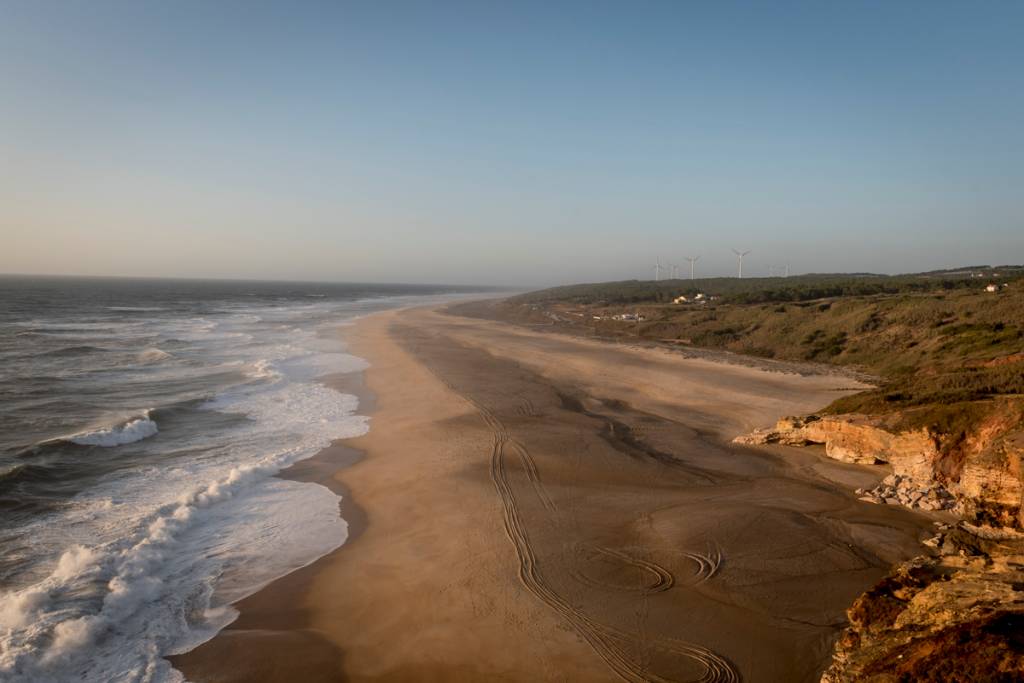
(898, 489)
(955, 617)
(981, 470)
(854, 438)
(958, 616)
(991, 481)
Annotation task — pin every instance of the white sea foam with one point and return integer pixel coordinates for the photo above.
(151, 594)
(108, 437)
(18, 609)
(75, 561)
(310, 366)
(263, 369)
(155, 554)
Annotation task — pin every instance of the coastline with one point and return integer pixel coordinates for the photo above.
(270, 637)
(422, 589)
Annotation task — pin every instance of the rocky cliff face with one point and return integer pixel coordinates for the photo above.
(991, 481)
(955, 617)
(854, 438)
(982, 470)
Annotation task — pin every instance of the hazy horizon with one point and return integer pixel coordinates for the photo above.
(516, 146)
(470, 285)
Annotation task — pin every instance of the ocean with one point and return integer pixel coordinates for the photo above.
(141, 425)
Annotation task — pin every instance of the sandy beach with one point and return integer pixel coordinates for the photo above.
(529, 506)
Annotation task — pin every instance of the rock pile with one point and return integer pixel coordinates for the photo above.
(898, 489)
(983, 467)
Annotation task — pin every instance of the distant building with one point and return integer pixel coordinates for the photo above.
(992, 288)
(698, 298)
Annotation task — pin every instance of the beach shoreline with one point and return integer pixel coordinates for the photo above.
(270, 636)
(430, 584)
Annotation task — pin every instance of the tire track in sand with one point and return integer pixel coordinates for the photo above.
(707, 564)
(609, 643)
(662, 579)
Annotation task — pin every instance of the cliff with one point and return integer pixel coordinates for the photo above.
(946, 415)
(955, 617)
(977, 472)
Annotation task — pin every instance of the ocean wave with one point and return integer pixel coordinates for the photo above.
(48, 633)
(263, 369)
(153, 355)
(135, 308)
(13, 473)
(155, 572)
(129, 432)
(81, 350)
(57, 444)
(72, 326)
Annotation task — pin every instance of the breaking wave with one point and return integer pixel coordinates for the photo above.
(129, 432)
(263, 369)
(123, 605)
(124, 555)
(48, 638)
(13, 473)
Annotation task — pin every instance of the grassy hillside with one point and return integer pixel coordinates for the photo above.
(770, 290)
(936, 340)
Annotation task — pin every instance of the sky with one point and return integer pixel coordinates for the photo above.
(509, 143)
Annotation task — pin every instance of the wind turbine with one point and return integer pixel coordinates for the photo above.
(739, 259)
(657, 269)
(675, 271)
(692, 260)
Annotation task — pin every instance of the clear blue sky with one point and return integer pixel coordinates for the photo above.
(515, 143)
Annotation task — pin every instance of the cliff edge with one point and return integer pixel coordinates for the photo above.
(959, 615)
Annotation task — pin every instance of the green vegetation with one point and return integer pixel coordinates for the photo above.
(766, 290)
(933, 339)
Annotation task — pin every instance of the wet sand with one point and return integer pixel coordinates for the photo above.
(539, 507)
